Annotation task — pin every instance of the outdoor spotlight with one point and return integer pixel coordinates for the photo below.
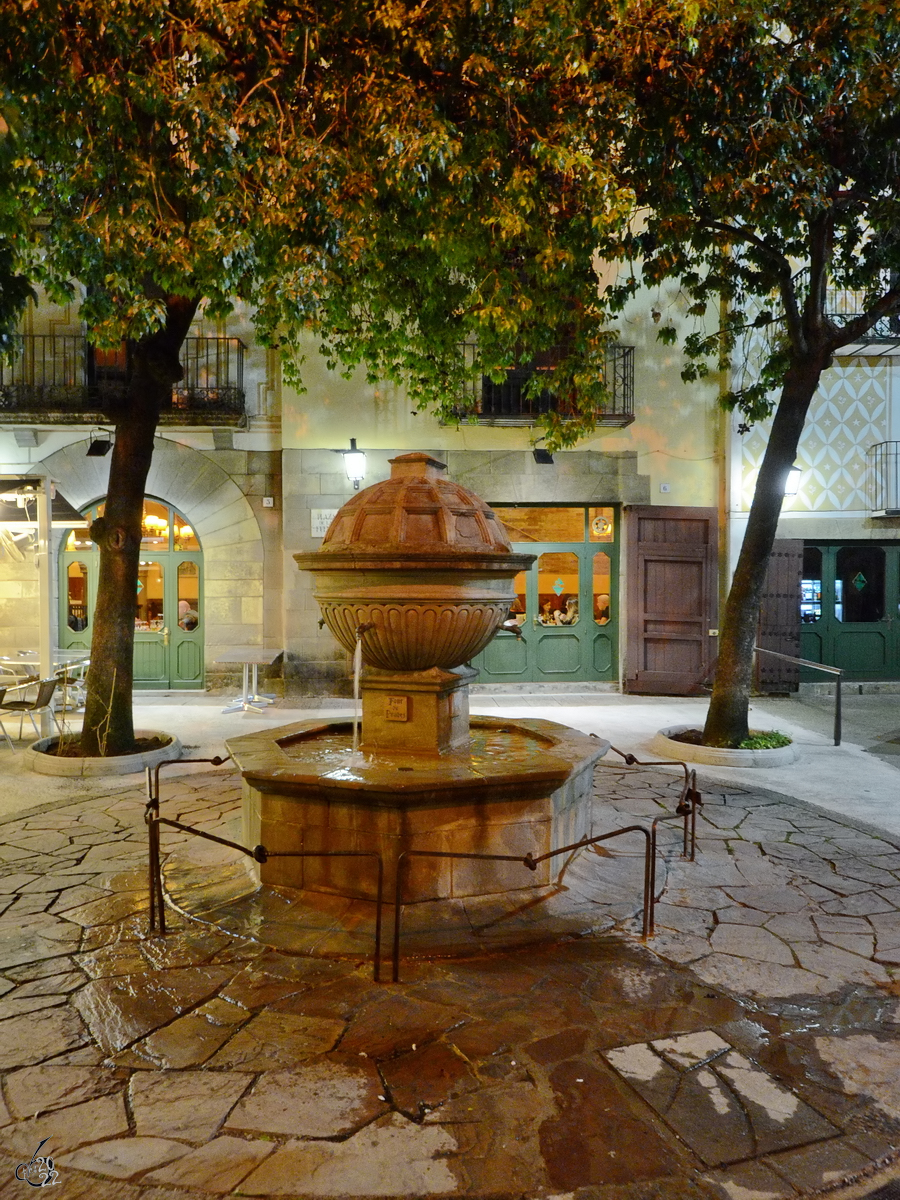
(354, 464)
(99, 446)
(792, 483)
(542, 456)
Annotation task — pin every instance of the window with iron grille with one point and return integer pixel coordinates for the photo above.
(510, 402)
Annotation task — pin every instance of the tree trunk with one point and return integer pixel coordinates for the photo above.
(727, 719)
(108, 723)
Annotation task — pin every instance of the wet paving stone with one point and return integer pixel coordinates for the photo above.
(427, 1078)
(751, 1049)
(724, 1106)
(327, 1097)
(121, 1010)
(595, 1138)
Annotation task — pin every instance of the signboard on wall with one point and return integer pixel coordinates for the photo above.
(320, 519)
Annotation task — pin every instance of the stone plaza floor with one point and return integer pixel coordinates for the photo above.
(750, 1050)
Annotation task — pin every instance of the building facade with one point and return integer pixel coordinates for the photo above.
(634, 532)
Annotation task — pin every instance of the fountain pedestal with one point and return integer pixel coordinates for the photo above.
(416, 712)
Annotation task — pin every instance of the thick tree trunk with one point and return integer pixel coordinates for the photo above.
(727, 719)
(108, 724)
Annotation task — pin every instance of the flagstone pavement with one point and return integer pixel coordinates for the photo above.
(750, 1050)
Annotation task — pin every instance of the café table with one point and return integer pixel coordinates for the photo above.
(251, 658)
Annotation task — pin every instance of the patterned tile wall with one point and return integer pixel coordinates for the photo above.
(849, 413)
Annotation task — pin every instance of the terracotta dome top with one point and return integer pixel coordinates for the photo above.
(416, 512)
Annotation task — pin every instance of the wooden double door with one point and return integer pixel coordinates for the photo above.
(672, 585)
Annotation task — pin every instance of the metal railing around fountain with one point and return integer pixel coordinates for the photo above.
(686, 809)
(259, 854)
(531, 862)
(688, 802)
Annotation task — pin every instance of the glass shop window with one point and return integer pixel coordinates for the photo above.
(150, 614)
(155, 526)
(601, 588)
(601, 524)
(77, 596)
(517, 610)
(183, 535)
(811, 586)
(859, 584)
(542, 524)
(558, 585)
(79, 538)
(188, 596)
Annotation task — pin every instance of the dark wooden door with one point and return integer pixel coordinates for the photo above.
(672, 593)
(779, 618)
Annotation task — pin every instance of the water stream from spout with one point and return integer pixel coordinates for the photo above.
(357, 669)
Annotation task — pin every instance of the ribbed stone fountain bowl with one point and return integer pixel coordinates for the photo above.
(422, 563)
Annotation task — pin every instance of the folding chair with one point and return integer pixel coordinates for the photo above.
(41, 702)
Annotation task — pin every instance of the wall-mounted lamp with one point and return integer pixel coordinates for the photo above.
(99, 446)
(792, 482)
(541, 455)
(354, 464)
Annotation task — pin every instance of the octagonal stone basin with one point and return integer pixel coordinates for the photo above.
(518, 787)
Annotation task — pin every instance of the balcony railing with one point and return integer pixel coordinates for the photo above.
(507, 403)
(883, 479)
(846, 305)
(60, 379)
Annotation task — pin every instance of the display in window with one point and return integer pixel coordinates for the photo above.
(558, 588)
(601, 588)
(77, 599)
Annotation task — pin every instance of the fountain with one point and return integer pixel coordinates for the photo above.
(415, 576)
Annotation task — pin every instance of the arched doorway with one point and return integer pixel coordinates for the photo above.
(169, 606)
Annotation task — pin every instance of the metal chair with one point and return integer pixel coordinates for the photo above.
(72, 685)
(40, 703)
(3, 692)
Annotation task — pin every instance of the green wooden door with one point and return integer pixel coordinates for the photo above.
(850, 609)
(567, 602)
(168, 627)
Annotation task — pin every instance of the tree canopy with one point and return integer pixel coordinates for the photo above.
(396, 179)
(762, 144)
(402, 178)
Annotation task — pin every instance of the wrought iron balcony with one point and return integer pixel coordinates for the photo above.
(507, 403)
(60, 379)
(884, 336)
(883, 479)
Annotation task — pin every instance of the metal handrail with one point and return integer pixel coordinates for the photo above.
(260, 854)
(532, 862)
(814, 666)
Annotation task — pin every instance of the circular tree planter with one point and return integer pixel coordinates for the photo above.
(122, 764)
(666, 746)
